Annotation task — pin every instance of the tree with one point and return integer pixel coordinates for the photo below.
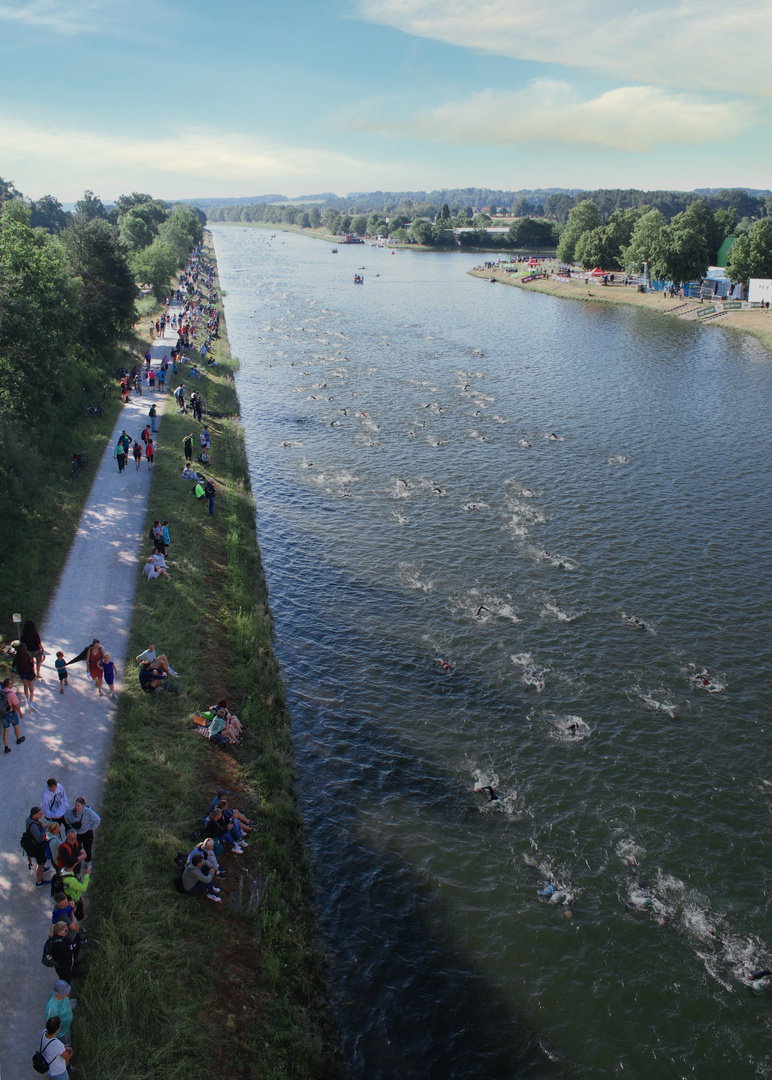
(359, 225)
(645, 242)
(154, 266)
(558, 207)
(683, 250)
(401, 236)
(39, 317)
(481, 221)
(47, 213)
(314, 217)
(751, 255)
(99, 260)
(136, 232)
(331, 220)
(374, 224)
(302, 220)
(345, 223)
(582, 218)
(421, 231)
(527, 232)
(90, 207)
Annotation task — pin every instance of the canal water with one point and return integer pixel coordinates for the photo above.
(519, 543)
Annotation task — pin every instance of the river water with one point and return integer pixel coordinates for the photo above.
(466, 494)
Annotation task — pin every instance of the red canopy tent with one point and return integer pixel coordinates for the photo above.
(597, 272)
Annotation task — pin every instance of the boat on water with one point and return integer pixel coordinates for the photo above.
(334, 251)
(359, 279)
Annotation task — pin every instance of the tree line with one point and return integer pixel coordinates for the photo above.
(679, 250)
(68, 286)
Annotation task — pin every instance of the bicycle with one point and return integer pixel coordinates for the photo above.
(94, 410)
(78, 460)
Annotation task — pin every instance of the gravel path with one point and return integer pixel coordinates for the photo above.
(69, 735)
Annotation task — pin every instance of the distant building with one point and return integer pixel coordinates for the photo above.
(760, 289)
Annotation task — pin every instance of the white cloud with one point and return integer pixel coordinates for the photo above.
(188, 163)
(632, 118)
(59, 17)
(687, 43)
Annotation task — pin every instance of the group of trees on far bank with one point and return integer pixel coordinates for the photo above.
(680, 250)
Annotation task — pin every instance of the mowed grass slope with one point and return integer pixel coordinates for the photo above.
(175, 985)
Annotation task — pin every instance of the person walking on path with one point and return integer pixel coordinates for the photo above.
(24, 667)
(109, 670)
(137, 452)
(150, 453)
(31, 638)
(11, 716)
(120, 455)
(153, 413)
(54, 803)
(61, 1005)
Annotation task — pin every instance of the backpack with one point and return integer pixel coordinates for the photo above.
(39, 1063)
(57, 884)
(29, 847)
(5, 705)
(47, 960)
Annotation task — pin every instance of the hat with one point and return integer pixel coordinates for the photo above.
(61, 987)
(222, 791)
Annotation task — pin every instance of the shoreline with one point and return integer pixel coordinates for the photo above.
(172, 978)
(755, 323)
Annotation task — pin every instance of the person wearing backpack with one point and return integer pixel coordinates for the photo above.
(11, 714)
(53, 1057)
(36, 846)
(64, 951)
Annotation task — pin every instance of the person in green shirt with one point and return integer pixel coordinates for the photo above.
(59, 1004)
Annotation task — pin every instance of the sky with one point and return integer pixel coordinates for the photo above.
(237, 98)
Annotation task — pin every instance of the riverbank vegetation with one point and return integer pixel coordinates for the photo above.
(68, 289)
(172, 980)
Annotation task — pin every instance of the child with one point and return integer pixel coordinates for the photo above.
(166, 537)
(137, 452)
(149, 451)
(108, 669)
(61, 667)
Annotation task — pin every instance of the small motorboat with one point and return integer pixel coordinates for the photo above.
(359, 279)
(334, 251)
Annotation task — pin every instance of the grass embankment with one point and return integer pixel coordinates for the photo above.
(175, 984)
(754, 322)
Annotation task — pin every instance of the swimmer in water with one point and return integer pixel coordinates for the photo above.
(572, 728)
(437, 491)
(553, 437)
(443, 664)
(492, 796)
(401, 481)
(482, 607)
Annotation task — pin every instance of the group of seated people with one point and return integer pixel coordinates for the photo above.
(155, 565)
(223, 828)
(221, 726)
(154, 671)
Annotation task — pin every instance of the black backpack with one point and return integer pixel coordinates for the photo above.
(39, 1063)
(5, 705)
(29, 847)
(47, 959)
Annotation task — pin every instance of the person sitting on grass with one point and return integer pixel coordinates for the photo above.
(197, 877)
(190, 474)
(240, 823)
(155, 565)
(162, 661)
(219, 829)
(219, 725)
(230, 717)
(206, 848)
(152, 677)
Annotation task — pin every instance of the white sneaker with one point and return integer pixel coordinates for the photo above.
(216, 899)
(171, 670)
(215, 889)
(243, 843)
(237, 850)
